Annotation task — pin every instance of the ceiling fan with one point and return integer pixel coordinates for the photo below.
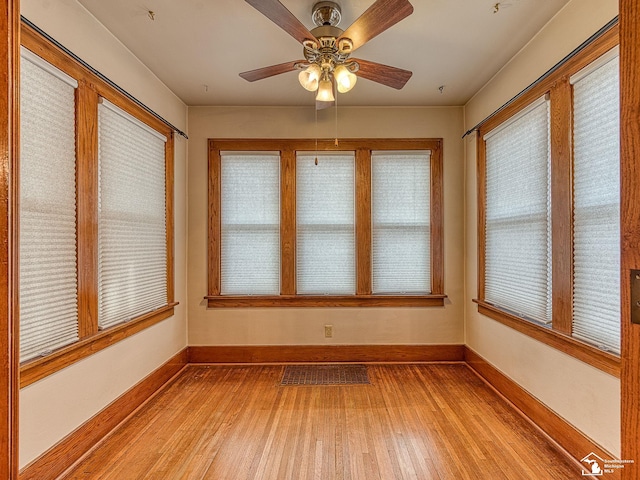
(327, 48)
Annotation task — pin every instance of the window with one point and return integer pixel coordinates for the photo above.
(518, 226)
(48, 275)
(95, 213)
(250, 223)
(548, 183)
(132, 231)
(325, 219)
(359, 224)
(596, 216)
(401, 253)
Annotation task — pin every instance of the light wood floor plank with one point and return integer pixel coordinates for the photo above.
(414, 422)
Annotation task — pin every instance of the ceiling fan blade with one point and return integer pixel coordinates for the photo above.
(384, 74)
(270, 71)
(380, 16)
(278, 14)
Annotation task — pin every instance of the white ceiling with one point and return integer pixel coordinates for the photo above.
(198, 47)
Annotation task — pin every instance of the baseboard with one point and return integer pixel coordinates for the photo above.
(569, 438)
(67, 451)
(326, 353)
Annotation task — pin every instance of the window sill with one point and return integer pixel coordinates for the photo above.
(607, 362)
(39, 368)
(325, 301)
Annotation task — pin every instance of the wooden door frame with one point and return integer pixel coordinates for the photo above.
(630, 229)
(9, 145)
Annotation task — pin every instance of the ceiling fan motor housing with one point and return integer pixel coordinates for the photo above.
(329, 51)
(326, 13)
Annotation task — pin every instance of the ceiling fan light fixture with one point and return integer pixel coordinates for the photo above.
(310, 77)
(325, 90)
(345, 80)
(327, 48)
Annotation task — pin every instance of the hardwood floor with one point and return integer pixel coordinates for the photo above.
(437, 421)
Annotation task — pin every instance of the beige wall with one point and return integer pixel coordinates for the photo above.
(294, 326)
(56, 405)
(586, 397)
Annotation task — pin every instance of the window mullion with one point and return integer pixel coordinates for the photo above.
(437, 221)
(363, 222)
(214, 221)
(481, 186)
(288, 222)
(87, 208)
(561, 205)
(168, 161)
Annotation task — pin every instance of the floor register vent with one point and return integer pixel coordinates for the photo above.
(325, 375)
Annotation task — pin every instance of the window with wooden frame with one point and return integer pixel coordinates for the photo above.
(292, 223)
(95, 213)
(548, 208)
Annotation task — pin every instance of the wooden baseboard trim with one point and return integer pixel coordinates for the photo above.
(570, 439)
(58, 458)
(326, 353)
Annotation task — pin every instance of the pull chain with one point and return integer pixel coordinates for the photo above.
(336, 132)
(316, 132)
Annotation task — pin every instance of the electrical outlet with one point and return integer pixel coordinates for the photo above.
(328, 331)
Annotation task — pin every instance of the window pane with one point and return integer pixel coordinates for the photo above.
(596, 295)
(325, 214)
(400, 222)
(132, 240)
(48, 274)
(517, 243)
(250, 197)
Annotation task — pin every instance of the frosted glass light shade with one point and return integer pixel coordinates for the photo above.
(325, 91)
(345, 80)
(309, 77)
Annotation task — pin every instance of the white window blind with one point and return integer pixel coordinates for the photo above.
(325, 214)
(400, 211)
(132, 240)
(596, 293)
(517, 242)
(250, 223)
(47, 212)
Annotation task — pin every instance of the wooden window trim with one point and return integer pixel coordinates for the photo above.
(229, 301)
(363, 296)
(557, 86)
(288, 237)
(90, 89)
